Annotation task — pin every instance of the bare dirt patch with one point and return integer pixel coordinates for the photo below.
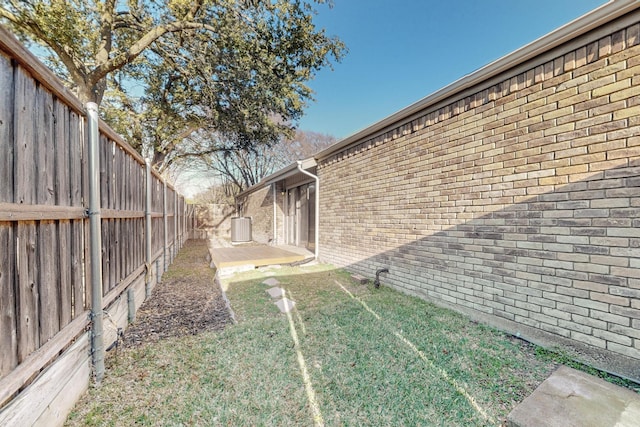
(187, 302)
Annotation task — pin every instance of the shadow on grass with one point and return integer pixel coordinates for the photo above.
(347, 354)
(379, 357)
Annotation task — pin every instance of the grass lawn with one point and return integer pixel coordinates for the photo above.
(347, 354)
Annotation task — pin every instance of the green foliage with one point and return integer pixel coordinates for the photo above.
(167, 72)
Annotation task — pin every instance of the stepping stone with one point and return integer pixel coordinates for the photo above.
(285, 305)
(271, 281)
(573, 398)
(275, 292)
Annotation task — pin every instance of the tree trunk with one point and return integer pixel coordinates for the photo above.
(90, 92)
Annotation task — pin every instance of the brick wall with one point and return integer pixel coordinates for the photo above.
(518, 204)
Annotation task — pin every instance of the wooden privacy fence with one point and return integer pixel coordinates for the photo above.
(46, 285)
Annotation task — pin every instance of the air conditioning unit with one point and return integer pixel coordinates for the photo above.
(240, 229)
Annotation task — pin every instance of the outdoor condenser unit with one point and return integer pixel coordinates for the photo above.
(240, 229)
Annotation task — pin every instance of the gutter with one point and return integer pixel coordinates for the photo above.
(576, 28)
(317, 208)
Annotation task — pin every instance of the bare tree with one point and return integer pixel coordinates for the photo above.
(303, 145)
(238, 170)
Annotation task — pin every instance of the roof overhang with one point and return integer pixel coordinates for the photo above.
(280, 175)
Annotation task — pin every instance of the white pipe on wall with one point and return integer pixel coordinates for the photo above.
(317, 213)
(275, 211)
(285, 221)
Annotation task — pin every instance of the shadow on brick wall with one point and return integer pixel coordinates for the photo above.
(560, 269)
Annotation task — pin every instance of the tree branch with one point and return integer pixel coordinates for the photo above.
(76, 69)
(147, 39)
(106, 31)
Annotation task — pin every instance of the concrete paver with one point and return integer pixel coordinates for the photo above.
(271, 281)
(570, 398)
(275, 292)
(285, 305)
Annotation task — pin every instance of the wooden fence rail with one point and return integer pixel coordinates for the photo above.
(45, 285)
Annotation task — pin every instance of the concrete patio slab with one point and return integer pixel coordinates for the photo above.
(285, 305)
(255, 256)
(271, 281)
(570, 398)
(275, 292)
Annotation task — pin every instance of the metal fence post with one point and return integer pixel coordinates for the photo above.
(165, 224)
(147, 230)
(95, 237)
(175, 224)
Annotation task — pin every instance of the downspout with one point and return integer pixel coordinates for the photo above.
(275, 212)
(317, 243)
(285, 222)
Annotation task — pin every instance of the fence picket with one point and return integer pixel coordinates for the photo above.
(81, 293)
(48, 281)
(8, 320)
(64, 272)
(63, 198)
(25, 92)
(6, 130)
(27, 295)
(48, 278)
(27, 271)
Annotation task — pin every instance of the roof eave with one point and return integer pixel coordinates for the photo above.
(279, 175)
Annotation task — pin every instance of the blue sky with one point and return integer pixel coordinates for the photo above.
(403, 50)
